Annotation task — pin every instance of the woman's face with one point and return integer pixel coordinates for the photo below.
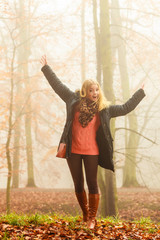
(93, 92)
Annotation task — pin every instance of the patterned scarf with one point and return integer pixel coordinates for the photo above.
(87, 109)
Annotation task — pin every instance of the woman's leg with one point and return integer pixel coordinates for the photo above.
(75, 166)
(91, 167)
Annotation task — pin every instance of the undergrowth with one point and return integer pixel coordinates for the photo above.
(54, 226)
(39, 219)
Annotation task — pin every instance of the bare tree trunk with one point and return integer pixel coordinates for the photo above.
(18, 97)
(129, 172)
(28, 125)
(103, 50)
(102, 186)
(9, 140)
(83, 58)
(106, 63)
(9, 171)
(30, 167)
(28, 130)
(111, 194)
(97, 39)
(17, 135)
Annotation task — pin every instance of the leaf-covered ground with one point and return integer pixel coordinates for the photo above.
(53, 227)
(132, 203)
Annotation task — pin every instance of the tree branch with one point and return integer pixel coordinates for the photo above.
(131, 130)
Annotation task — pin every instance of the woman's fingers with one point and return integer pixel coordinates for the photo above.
(43, 60)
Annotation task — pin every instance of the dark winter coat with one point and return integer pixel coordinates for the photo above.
(103, 136)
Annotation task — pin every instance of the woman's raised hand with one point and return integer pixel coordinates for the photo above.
(43, 60)
(142, 86)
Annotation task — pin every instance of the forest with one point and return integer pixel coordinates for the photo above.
(115, 42)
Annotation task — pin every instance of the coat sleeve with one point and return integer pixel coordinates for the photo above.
(121, 110)
(61, 89)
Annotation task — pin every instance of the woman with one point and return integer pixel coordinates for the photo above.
(87, 135)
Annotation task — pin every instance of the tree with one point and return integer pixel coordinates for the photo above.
(132, 138)
(106, 177)
(129, 173)
(23, 50)
(97, 41)
(9, 163)
(83, 73)
(19, 98)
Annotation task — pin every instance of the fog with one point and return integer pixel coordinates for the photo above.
(30, 29)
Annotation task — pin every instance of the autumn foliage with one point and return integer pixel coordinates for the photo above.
(49, 214)
(54, 227)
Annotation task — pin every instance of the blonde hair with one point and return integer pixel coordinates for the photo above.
(102, 101)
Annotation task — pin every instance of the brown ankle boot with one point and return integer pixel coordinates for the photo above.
(93, 207)
(82, 199)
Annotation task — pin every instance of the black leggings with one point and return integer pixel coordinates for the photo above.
(90, 165)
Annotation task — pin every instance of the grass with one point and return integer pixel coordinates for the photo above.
(147, 224)
(143, 221)
(22, 220)
(73, 225)
(38, 219)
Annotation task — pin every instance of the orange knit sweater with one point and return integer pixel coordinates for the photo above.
(84, 139)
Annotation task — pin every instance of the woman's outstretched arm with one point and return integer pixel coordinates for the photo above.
(61, 89)
(120, 110)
